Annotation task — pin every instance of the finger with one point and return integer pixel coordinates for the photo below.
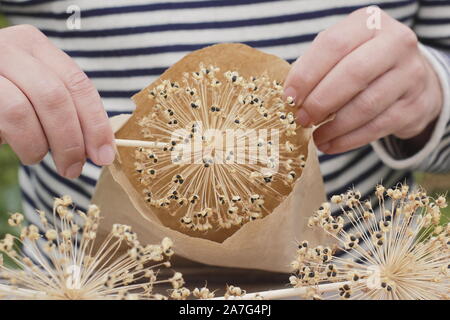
(421, 117)
(19, 125)
(349, 77)
(53, 106)
(367, 105)
(383, 125)
(97, 132)
(329, 47)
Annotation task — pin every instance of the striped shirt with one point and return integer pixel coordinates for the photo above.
(123, 45)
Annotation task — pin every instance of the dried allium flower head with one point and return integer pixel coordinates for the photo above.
(397, 252)
(240, 136)
(64, 262)
(204, 293)
(199, 293)
(234, 292)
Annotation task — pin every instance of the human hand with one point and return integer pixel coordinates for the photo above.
(376, 82)
(47, 102)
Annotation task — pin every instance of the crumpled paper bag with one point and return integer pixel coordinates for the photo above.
(266, 244)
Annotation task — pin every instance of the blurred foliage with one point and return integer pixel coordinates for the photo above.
(9, 186)
(2, 21)
(10, 200)
(435, 185)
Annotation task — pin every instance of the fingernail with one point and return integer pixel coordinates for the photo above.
(106, 155)
(324, 147)
(303, 118)
(290, 92)
(74, 170)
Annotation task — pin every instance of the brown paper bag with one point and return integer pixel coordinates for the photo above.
(267, 244)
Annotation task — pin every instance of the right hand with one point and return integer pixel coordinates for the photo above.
(48, 103)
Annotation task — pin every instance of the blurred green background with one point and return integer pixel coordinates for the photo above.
(10, 200)
(10, 192)
(9, 187)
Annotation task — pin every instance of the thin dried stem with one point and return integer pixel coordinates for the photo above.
(140, 143)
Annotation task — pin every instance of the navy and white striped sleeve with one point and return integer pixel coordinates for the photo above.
(433, 29)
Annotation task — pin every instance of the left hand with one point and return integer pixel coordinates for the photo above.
(376, 82)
